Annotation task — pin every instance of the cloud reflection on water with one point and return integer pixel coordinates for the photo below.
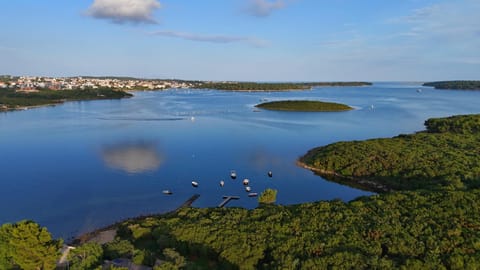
(137, 157)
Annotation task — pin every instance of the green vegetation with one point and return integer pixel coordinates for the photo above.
(462, 85)
(174, 260)
(400, 230)
(26, 245)
(86, 256)
(10, 99)
(5, 78)
(254, 86)
(268, 196)
(446, 155)
(304, 106)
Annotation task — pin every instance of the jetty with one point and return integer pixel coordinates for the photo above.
(226, 199)
(188, 202)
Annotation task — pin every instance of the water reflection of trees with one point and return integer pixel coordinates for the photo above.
(131, 157)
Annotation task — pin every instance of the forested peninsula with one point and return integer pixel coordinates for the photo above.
(256, 86)
(460, 85)
(445, 155)
(11, 99)
(304, 106)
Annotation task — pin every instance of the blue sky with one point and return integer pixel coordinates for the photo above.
(260, 40)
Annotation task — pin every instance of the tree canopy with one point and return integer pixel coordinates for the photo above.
(462, 85)
(304, 106)
(12, 99)
(86, 256)
(256, 86)
(445, 155)
(27, 245)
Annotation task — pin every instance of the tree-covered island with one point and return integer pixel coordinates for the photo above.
(258, 86)
(460, 85)
(304, 106)
(11, 99)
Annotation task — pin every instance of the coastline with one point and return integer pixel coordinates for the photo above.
(24, 108)
(53, 104)
(333, 176)
(85, 237)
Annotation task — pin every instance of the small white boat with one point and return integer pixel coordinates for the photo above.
(419, 90)
(167, 192)
(270, 174)
(248, 189)
(194, 184)
(245, 182)
(233, 174)
(222, 183)
(252, 194)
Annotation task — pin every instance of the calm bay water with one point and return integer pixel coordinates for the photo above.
(83, 165)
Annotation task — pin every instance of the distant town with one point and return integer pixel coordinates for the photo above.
(36, 83)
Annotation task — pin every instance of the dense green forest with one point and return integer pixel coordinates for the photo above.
(445, 155)
(10, 99)
(304, 106)
(254, 86)
(432, 222)
(463, 85)
(400, 230)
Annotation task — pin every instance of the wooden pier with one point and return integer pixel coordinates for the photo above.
(188, 202)
(226, 199)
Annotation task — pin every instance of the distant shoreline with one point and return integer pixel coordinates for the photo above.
(11, 100)
(273, 87)
(24, 108)
(455, 85)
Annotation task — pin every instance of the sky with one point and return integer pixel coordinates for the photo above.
(243, 40)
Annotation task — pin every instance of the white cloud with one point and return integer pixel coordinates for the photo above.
(211, 38)
(447, 21)
(263, 8)
(124, 11)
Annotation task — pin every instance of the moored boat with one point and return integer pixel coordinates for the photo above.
(248, 189)
(194, 184)
(167, 192)
(252, 194)
(245, 182)
(233, 174)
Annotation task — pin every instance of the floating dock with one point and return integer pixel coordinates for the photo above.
(226, 199)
